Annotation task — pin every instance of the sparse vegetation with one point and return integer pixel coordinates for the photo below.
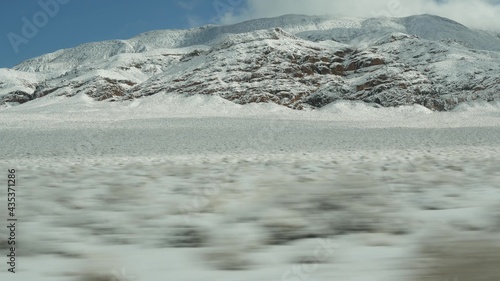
(459, 258)
(187, 236)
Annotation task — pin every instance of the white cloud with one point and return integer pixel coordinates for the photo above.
(187, 4)
(483, 14)
(194, 21)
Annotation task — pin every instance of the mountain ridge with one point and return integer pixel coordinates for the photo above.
(293, 60)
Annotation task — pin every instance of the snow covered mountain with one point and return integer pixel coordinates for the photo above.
(294, 60)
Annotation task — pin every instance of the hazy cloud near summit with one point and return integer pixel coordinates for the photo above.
(483, 14)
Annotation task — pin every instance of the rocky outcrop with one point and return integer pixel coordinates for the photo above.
(19, 97)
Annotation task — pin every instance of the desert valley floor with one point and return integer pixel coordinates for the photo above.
(199, 188)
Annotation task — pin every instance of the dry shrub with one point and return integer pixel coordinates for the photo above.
(348, 204)
(230, 244)
(227, 258)
(494, 212)
(284, 225)
(187, 236)
(463, 258)
(102, 268)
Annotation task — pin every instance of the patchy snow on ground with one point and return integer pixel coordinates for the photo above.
(175, 188)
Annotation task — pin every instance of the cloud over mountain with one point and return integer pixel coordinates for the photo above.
(482, 14)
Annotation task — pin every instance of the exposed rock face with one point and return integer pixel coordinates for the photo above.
(17, 97)
(299, 68)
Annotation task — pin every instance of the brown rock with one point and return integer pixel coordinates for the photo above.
(377, 61)
(307, 69)
(352, 66)
(337, 69)
(323, 70)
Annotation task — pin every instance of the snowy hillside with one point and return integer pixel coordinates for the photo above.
(296, 61)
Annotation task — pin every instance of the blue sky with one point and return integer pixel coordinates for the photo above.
(82, 21)
(74, 22)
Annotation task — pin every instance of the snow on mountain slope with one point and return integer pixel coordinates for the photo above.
(91, 52)
(294, 60)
